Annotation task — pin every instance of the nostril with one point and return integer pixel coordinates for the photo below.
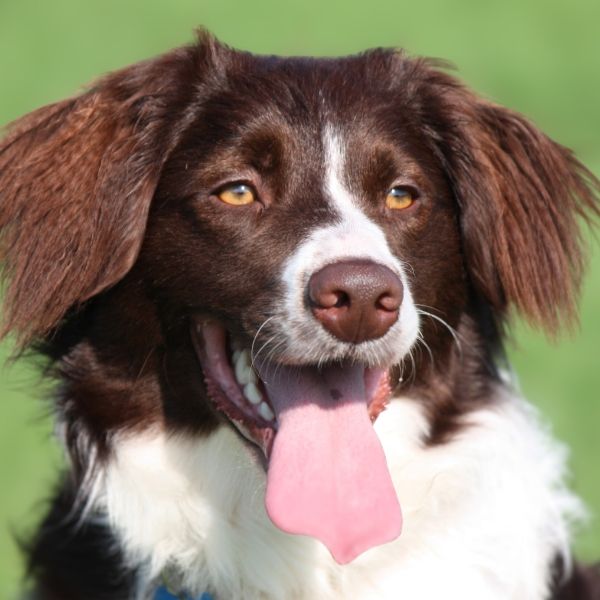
(343, 299)
(388, 302)
(328, 299)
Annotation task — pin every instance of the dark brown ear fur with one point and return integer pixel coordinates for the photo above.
(76, 181)
(521, 198)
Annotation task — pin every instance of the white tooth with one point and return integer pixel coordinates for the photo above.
(235, 356)
(252, 375)
(264, 410)
(243, 371)
(244, 375)
(252, 393)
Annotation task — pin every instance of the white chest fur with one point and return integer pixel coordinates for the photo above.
(483, 515)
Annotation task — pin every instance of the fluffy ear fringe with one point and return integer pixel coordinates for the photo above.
(73, 207)
(522, 199)
(77, 179)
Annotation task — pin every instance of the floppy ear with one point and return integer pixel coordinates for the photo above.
(76, 181)
(521, 197)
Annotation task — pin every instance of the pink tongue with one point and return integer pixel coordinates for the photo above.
(327, 475)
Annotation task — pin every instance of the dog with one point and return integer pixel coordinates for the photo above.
(273, 294)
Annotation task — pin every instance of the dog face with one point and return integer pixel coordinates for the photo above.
(317, 190)
(289, 230)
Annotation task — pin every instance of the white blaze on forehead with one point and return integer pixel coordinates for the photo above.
(365, 239)
(351, 236)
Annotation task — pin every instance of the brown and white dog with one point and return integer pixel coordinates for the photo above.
(272, 291)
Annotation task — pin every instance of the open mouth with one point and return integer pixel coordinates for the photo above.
(237, 390)
(233, 385)
(327, 476)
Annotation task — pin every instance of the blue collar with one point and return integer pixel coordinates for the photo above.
(162, 593)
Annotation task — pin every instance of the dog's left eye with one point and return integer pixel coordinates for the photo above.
(237, 194)
(400, 197)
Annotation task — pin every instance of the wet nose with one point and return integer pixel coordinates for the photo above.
(355, 300)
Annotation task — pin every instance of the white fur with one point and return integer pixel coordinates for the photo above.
(353, 236)
(483, 514)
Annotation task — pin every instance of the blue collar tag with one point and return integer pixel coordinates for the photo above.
(162, 593)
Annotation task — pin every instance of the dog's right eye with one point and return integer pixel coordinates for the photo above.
(237, 194)
(401, 197)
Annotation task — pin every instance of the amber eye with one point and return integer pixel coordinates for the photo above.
(400, 197)
(237, 194)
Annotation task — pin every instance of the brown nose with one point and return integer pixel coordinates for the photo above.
(355, 300)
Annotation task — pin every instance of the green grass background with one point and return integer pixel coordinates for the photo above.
(541, 57)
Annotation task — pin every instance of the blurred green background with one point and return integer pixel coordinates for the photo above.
(541, 57)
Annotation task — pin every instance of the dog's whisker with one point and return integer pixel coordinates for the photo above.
(264, 346)
(271, 354)
(252, 355)
(421, 340)
(413, 370)
(451, 329)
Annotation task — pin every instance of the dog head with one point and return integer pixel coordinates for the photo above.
(295, 228)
